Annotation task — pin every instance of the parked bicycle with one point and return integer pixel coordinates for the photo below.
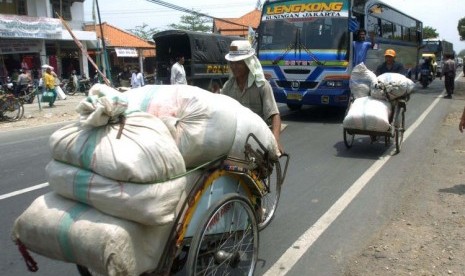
(11, 108)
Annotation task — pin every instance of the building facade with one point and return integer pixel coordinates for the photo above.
(31, 35)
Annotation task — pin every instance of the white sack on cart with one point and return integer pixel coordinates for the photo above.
(361, 81)
(149, 204)
(249, 122)
(65, 230)
(145, 152)
(396, 85)
(368, 114)
(202, 123)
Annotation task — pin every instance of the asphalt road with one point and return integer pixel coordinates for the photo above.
(321, 171)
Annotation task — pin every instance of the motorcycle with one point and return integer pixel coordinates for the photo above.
(84, 85)
(27, 93)
(426, 77)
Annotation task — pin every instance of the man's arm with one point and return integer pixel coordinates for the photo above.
(372, 39)
(173, 74)
(276, 129)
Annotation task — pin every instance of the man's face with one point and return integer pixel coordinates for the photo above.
(239, 68)
(362, 36)
(389, 59)
(181, 60)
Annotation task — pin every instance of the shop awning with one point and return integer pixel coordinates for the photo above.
(126, 52)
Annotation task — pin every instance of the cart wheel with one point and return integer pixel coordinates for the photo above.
(226, 242)
(269, 202)
(400, 131)
(348, 139)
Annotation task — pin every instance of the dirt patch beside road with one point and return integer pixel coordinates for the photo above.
(34, 115)
(427, 235)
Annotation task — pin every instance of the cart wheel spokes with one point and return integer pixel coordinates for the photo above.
(269, 202)
(226, 242)
(348, 139)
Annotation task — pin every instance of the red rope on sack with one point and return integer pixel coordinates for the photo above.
(30, 263)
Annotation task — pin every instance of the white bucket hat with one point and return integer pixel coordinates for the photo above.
(240, 50)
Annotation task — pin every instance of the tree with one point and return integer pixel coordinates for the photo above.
(461, 28)
(193, 22)
(143, 32)
(429, 32)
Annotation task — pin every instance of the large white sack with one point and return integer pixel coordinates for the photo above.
(202, 123)
(368, 114)
(149, 204)
(145, 152)
(361, 81)
(394, 84)
(65, 230)
(249, 122)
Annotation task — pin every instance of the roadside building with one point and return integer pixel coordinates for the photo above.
(124, 49)
(244, 24)
(32, 35)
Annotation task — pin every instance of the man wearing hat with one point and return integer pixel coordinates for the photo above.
(390, 65)
(247, 84)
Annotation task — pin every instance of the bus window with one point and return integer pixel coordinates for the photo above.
(386, 29)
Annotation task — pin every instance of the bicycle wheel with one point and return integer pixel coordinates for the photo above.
(400, 129)
(226, 242)
(69, 89)
(13, 109)
(269, 202)
(348, 139)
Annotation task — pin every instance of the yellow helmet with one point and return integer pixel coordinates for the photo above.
(390, 52)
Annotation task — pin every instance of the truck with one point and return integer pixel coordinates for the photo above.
(204, 55)
(438, 47)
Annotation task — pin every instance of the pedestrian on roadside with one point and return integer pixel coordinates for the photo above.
(178, 74)
(247, 84)
(448, 69)
(137, 80)
(361, 46)
(49, 82)
(390, 65)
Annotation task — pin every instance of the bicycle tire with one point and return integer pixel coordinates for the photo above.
(222, 246)
(399, 131)
(348, 141)
(69, 89)
(269, 202)
(13, 109)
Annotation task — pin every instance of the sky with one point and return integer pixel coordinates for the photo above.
(442, 15)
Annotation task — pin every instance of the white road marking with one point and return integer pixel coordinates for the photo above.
(23, 191)
(293, 254)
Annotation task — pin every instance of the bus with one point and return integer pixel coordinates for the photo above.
(438, 47)
(305, 46)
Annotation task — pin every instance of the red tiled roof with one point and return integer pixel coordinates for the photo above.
(251, 19)
(116, 37)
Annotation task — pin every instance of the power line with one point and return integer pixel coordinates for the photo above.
(178, 8)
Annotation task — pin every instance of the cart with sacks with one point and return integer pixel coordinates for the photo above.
(158, 180)
(377, 107)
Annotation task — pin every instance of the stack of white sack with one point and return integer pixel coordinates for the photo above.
(204, 125)
(361, 81)
(65, 230)
(148, 204)
(367, 113)
(395, 85)
(130, 169)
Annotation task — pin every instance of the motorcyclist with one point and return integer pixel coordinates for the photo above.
(22, 81)
(428, 65)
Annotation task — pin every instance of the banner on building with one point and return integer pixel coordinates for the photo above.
(126, 52)
(17, 26)
(18, 46)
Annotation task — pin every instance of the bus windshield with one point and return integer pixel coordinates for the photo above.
(326, 33)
